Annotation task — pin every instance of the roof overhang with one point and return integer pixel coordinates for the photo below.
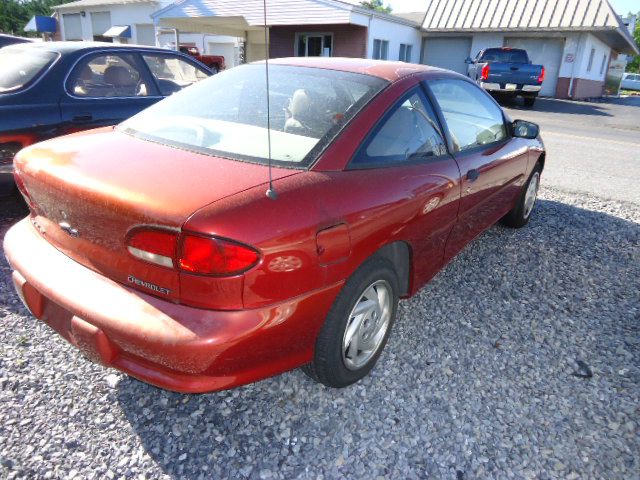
(618, 39)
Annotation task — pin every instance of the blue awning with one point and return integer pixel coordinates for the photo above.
(121, 31)
(41, 24)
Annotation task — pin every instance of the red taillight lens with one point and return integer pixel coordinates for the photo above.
(484, 74)
(541, 77)
(215, 256)
(153, 245)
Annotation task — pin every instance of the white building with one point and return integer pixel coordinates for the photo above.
(574, 39)
(299, 27)
(129, 21)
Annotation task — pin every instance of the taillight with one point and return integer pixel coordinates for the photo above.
(154, 246)
(541, 77)
(192, 253)
(484, 74)
(215, 256)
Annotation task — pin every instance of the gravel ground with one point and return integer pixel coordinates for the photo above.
(520, 360)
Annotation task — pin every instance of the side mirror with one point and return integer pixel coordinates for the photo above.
(468, 61)
(524, 129)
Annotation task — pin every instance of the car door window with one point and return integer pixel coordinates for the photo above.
(107, 76)
(173, 73)
(473, 118)
(409, 132)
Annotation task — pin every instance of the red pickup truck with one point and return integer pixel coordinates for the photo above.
(214, 62)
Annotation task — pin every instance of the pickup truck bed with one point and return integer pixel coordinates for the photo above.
(507, 72)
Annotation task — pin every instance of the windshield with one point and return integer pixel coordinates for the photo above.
(226, 115)
(19, 66)
(505, 56)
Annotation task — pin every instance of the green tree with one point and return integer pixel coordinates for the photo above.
(376, 5)
(634, 65)
(14, 14)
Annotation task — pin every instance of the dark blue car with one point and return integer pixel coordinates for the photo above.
(49, 89)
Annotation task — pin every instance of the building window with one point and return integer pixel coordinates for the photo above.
(604, 63)
(405, 52)
(100, 23)
(314, 44)
(590, 64)
(380, 49)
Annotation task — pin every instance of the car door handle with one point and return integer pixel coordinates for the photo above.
(472, 175)
(83, 118)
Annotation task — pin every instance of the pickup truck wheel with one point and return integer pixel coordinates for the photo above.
(521, 213)
(529, 101)
(214, 69)
(357, 326)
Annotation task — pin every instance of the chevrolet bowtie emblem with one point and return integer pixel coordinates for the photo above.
(72, 232)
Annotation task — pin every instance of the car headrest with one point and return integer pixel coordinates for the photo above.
(299, 104)
(86, 73)
(119, 76)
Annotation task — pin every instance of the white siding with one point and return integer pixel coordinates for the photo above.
(600, 48)
(395, 33)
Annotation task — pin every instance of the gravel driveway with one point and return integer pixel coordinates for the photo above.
(486, 375)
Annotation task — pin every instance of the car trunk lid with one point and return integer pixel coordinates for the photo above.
(87, 191)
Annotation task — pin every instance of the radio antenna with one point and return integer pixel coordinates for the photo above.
(271, 192)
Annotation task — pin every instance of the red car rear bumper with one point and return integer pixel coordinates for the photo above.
(171, 346)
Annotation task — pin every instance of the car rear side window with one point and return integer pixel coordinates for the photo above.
(21, 66)
(173, 73)
(473, 119)
(107, 76)
(409, 132)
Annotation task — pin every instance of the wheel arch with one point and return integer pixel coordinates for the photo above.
(541, 160)
(399, 254)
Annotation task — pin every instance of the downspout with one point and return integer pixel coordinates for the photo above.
(366, 53)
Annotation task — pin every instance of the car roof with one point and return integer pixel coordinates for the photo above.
(384, 69)
(70, 47)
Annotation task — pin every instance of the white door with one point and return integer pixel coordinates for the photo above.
(447, 52)
(542, 51)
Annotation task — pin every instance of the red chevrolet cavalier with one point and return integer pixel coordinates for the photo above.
(153, 248)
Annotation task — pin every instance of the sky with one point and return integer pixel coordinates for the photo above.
(622, 7)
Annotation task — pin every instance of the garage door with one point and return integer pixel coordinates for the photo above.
(447, 52)
(542, 51)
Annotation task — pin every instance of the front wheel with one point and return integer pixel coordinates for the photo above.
(521, 213)
(357, 326)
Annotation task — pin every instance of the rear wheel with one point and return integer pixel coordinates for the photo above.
(529, 101)
(357, 326)
(521, 212)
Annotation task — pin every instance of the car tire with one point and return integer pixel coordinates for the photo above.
(214, 69)
(521, 213)
(529, 101)
(372, 292)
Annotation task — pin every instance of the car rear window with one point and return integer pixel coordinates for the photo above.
(21, 66)
(504, 56)
(226, 115)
